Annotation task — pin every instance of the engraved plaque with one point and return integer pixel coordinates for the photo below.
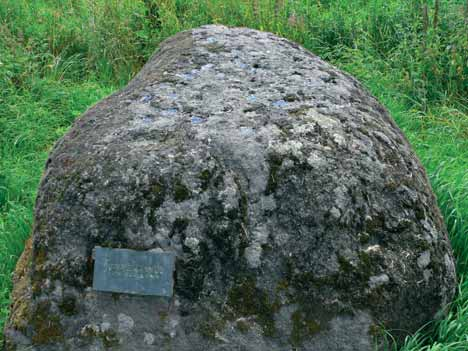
(133, 272)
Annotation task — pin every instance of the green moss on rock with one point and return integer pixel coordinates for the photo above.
(205, 177)
(68, 306)
(246, 300)
(211, 325)
(47, 326)
(242, 326)
(181, 192)
(275, 163)
(158, 192)
(303, 327)
(109, 338)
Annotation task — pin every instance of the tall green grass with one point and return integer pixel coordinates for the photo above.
(58, 57)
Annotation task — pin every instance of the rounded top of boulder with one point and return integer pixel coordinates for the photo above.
(296, 210)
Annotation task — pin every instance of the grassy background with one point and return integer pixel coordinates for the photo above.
(58, 57)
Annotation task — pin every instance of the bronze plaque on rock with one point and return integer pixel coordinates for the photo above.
(133, 272)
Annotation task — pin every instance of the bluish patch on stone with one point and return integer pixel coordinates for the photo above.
(197, 120)
(148, 118)
(146, 98)
(280, 103)
(246, 131)
(242, 64)
(207, 66)
(251, 98)
(169, 112)
(186, 76)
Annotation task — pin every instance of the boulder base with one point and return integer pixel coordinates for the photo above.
(299, 216)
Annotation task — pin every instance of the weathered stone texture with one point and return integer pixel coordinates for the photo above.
(300, 216)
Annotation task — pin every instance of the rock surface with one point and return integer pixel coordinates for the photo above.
(300, 217)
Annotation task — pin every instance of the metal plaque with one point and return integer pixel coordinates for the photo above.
(133, 272)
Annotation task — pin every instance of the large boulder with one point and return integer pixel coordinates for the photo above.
(298, 214)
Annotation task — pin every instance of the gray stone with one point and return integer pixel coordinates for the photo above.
(298, 214)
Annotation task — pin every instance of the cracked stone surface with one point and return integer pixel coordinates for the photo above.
(299, 215)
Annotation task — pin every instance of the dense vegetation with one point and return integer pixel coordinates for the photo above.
(58, 57)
